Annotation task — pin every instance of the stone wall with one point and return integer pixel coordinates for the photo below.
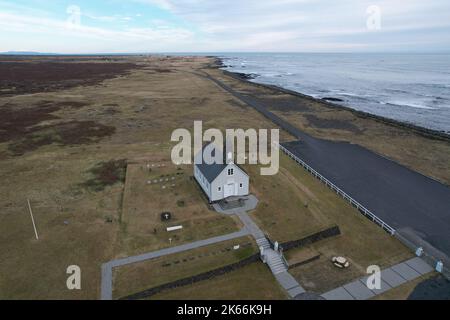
(190, 280)
(321, 235)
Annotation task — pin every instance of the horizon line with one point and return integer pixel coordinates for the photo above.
(35, 53)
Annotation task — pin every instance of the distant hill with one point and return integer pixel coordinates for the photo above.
(26, 53)
(32, 53)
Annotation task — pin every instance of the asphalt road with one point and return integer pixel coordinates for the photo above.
(405, 199)
(401, 197)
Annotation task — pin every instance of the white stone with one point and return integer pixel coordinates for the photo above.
(439, 266)
(341, 260)
(170, 229)
(419, 251)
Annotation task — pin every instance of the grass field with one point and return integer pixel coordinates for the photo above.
(62, 154)
(77, 224)
(148, 274)
(252, 282)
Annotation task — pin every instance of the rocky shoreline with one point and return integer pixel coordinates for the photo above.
(333, 103)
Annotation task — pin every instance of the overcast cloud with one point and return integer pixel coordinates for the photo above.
(224, 25)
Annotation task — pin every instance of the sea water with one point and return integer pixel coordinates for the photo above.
(412, 88)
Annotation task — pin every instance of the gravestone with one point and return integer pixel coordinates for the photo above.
(166, 216)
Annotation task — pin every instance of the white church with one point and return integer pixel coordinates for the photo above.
(220, 180)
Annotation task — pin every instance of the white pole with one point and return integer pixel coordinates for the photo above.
(32, 219)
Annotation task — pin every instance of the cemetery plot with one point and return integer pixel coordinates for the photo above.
(155, 190)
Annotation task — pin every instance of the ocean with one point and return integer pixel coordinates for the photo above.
(412, 88)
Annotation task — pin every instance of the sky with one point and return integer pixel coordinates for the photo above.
(141, 26)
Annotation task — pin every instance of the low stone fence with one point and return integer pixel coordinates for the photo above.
(321, 235)
(190, 280)
(295, 265)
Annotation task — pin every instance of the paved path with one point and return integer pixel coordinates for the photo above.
(390, 278)
(418, 207)
(106, 286)
(284, 278)
(250, 225)
(288, 282)
(250, 203)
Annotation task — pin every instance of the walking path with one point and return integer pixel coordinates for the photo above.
(251, 226)
(390, 278)
(249, 204)
(273, 258)
(106, 286)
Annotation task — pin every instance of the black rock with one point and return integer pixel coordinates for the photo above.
(246, 76)
(332, 99)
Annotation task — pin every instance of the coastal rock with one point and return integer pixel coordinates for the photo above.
(246, 76)
(332, 99)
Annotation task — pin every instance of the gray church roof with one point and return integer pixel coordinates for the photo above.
(212, 171)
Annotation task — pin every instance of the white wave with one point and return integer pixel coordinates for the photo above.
(350, 94)
(411, 105)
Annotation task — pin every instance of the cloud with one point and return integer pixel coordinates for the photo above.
(311, 24)
(136, 38)
(247, 25)
(163, 4)
(114, 18)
